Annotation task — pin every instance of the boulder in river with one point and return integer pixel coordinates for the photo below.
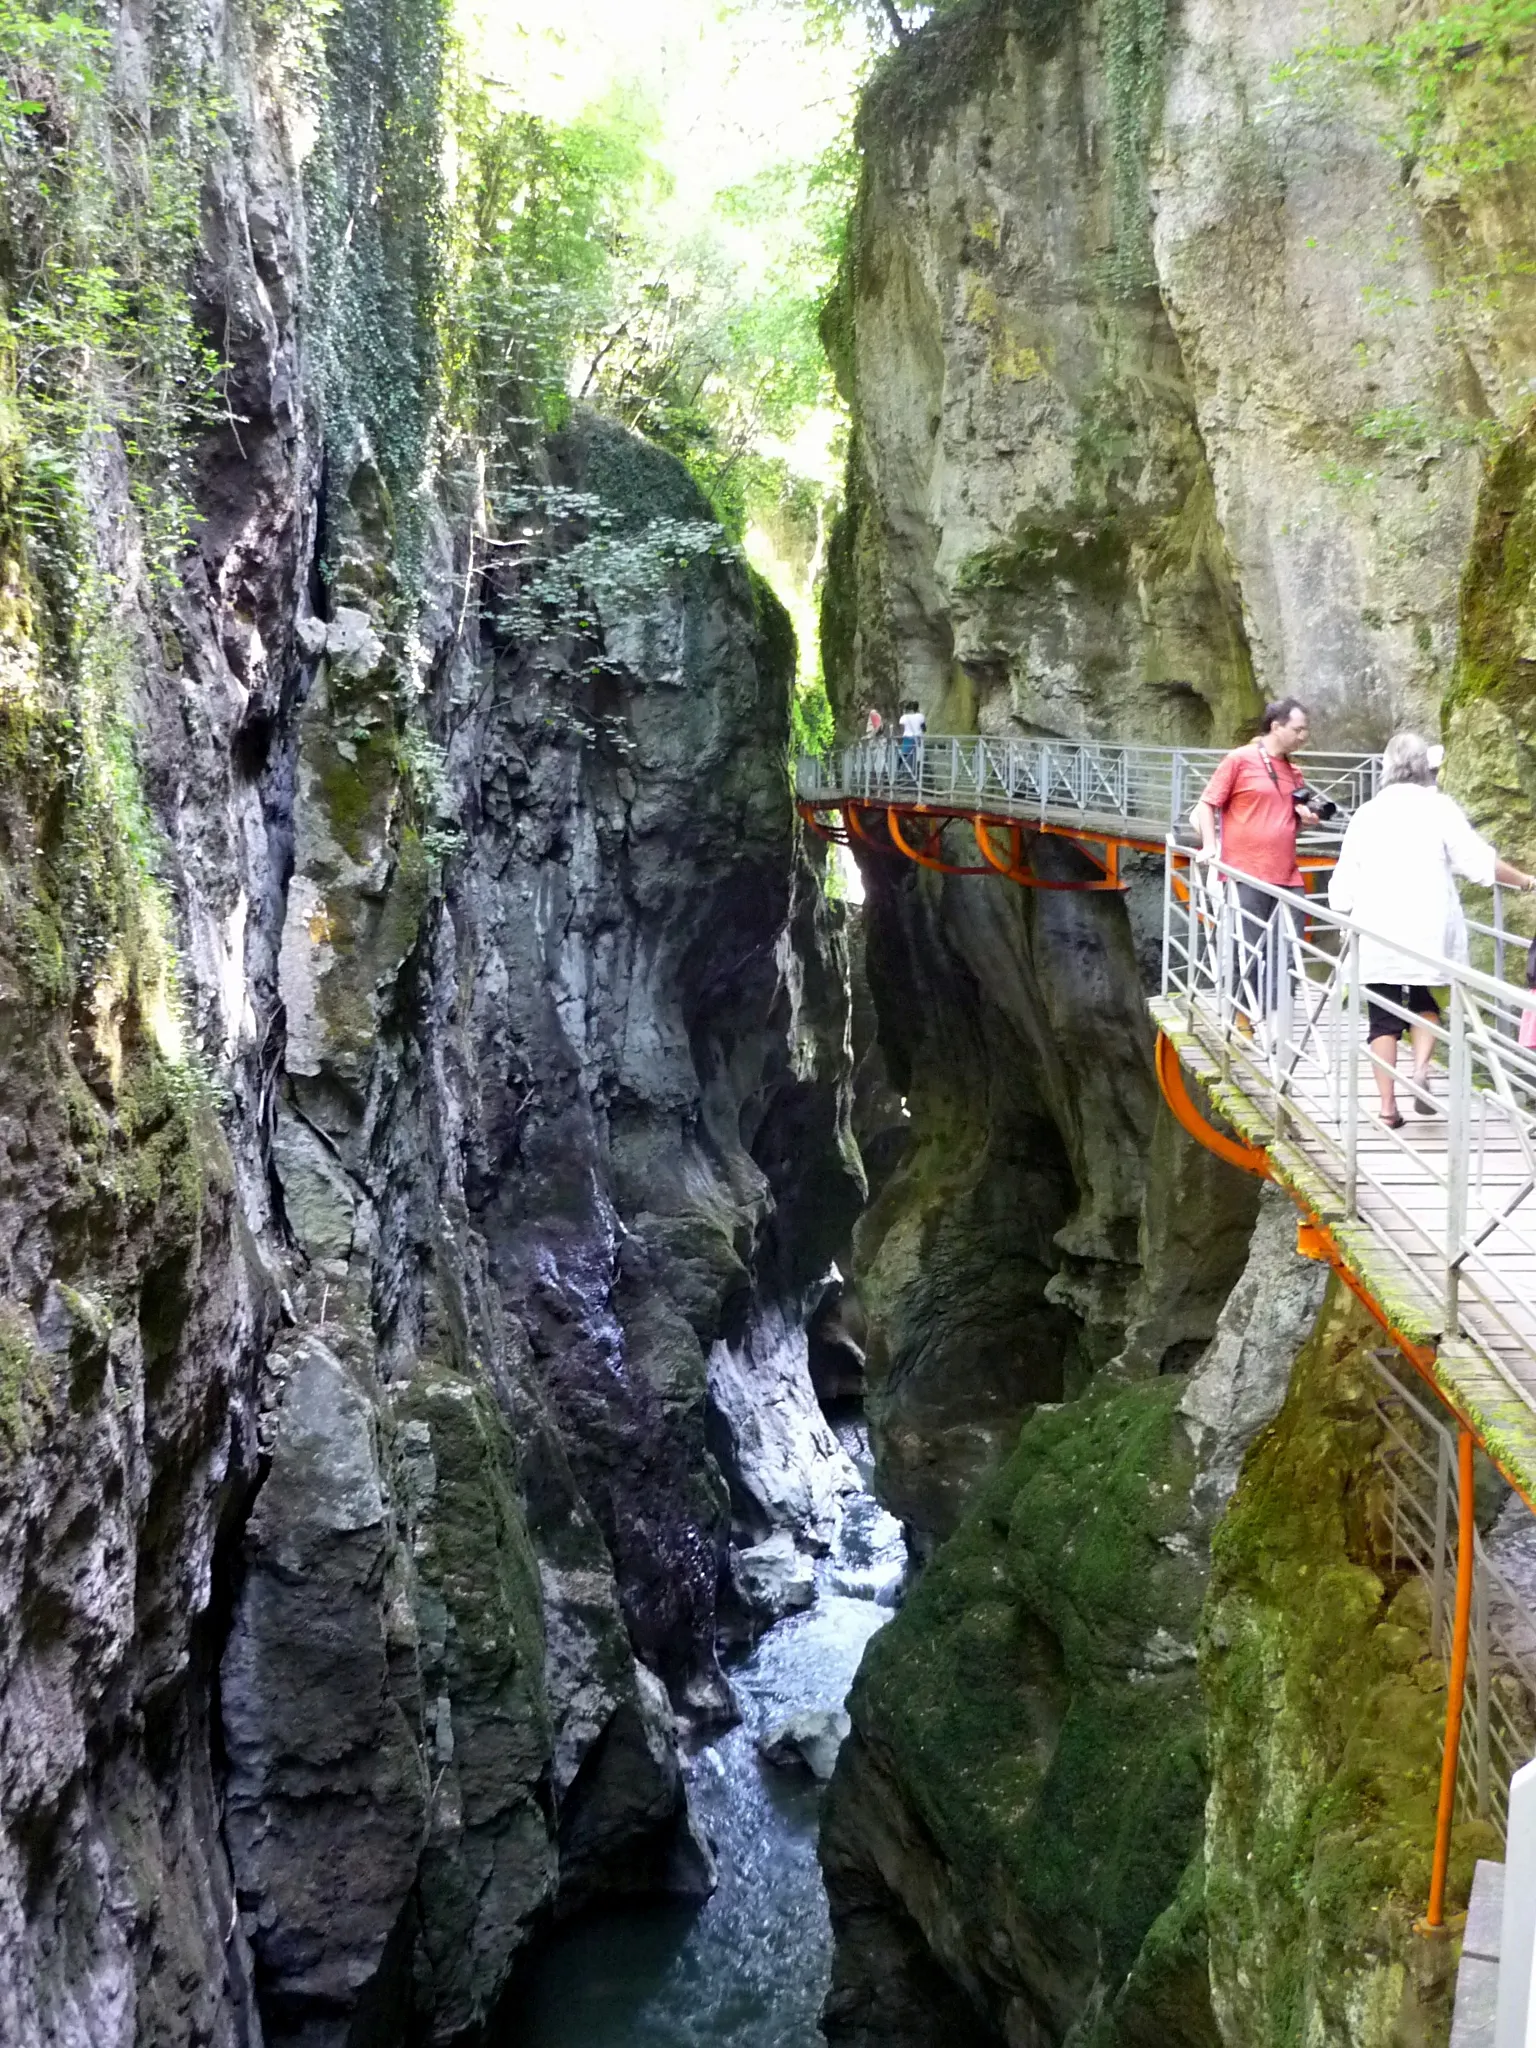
(808, 1741)
(771, 1579)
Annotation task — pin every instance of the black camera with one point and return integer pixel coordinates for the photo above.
(1306, 799)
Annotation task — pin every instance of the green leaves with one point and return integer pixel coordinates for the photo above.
(1458, 83)
(574, 565)
(99, 215)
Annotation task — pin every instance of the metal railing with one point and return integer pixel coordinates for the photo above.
(1149, 790)
(1276, 993)
(1498, 1727)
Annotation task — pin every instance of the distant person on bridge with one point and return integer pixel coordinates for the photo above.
(913, 726)
(1397, 876)
(1253, 793)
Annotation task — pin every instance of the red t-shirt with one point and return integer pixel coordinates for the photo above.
(1254, 795)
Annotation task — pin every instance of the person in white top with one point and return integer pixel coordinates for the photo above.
(913, 726)
(1396, 875)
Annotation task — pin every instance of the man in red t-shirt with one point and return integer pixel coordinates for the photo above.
(1254, 793)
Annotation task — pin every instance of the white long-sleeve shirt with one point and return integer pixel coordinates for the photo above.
(1397, 874)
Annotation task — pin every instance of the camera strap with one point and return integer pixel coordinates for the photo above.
(1269, 768)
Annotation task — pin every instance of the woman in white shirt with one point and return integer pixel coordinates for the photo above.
(913, 725)
(1396, 875)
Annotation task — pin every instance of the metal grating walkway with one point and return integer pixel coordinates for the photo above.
(1435, 1222)
(1136, 795)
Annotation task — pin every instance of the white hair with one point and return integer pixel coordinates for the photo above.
(1406, 759)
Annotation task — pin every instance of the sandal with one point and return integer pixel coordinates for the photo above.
(1396, 1121)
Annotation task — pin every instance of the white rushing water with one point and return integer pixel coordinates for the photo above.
(748, 1969)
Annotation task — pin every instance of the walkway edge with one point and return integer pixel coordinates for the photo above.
(1465, 1379)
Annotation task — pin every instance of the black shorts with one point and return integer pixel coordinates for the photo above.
(1411, 995)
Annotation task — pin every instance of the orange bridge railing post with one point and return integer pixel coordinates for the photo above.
(1466, 1535)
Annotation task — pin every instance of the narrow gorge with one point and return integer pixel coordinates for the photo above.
(522, 1266)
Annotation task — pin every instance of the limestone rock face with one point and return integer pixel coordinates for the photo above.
(400, 1103)
(1240, 1381)
(808, 1742)
(1187, 367)
(542, 1111)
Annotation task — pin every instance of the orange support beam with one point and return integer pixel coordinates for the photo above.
(858, 830)
(924, 855)
(1170, 1078)
(1013, 869)
(1460, 1632)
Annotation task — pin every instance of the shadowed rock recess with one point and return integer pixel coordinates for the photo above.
(434, 1088)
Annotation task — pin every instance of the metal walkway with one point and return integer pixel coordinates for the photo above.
(1431, 1223)
(1434, 1223)
(1089, 791)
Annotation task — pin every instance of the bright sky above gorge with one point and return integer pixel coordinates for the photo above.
(732, 125)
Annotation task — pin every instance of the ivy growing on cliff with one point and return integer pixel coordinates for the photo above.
(99, 227)
(379, 240)
(106, 381)
(1134, 39)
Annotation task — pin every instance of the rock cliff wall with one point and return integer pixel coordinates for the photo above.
(427, 1079)
(1189, 365)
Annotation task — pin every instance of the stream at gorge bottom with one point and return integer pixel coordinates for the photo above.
(749, 1968)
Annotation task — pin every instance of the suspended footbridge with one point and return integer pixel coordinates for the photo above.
(1261, 1054)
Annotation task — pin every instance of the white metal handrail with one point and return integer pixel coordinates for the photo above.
(1498, 1729)
(1278, 993)
(1151, 789)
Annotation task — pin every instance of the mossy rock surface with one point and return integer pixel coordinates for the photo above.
(1036, 1704)
(1326, 1707)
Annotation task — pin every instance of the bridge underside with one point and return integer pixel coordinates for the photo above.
(940, 836)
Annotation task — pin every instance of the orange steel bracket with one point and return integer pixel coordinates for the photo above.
(1312, 1243)
(1013, 868)
(862, 831)
(1461, 1629)
(811, 817)
(1170, 1078)
(921, 854)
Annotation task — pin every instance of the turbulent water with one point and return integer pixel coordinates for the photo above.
(749, 1968)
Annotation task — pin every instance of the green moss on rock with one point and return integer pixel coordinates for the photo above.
(1326, 1706)
(1095, 555)
(25, 1386)
(1036, 1703)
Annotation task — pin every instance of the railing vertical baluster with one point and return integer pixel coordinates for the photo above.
(1458, 1107)
(1168, 866)
(1229, 939)
(1277, 990)
(1480, 1680)
(1498, 932)
(1442, 1544)
(1352, 1024)
(1192, 951)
